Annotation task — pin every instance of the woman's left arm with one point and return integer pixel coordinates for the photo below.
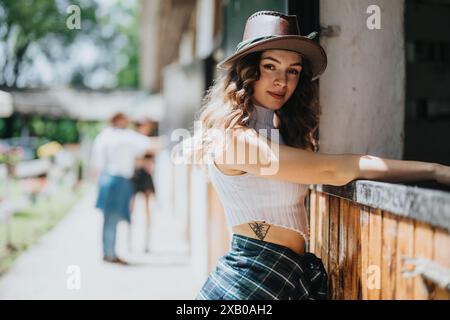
(390, 170)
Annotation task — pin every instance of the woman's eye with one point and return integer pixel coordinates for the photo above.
(269, 66)
(293, 71)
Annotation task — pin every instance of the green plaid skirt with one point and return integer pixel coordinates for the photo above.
(259, 270)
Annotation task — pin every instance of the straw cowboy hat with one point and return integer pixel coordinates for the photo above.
(268, 30)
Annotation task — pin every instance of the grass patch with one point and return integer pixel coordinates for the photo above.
(27, 226)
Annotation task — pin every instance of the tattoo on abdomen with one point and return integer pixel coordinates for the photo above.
(260, 229)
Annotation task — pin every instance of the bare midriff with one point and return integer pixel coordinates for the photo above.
(275, 234)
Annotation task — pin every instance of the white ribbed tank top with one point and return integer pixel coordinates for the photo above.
(249, 197)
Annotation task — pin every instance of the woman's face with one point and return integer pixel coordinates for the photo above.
(279, 76)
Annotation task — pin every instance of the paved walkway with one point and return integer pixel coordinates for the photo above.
(70, 256)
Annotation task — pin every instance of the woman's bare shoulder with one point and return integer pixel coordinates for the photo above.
(239, 134)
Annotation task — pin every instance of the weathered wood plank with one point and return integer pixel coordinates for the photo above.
(358, 250)
(364, 232)
(319, 227)
(404, 287)
(441, 254)
(353, 252)
(442, 247)
(333, 261)
(423, 248)
(349, 263)
(374, 265)
(389, 250)
(342, 258)
(312, 221)
(324, 212)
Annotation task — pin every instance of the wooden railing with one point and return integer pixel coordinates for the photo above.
(376, 240)
(364, 232)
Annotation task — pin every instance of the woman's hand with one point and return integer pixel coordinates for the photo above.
(442, 174)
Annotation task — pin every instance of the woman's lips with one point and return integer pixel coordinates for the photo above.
(276, 96)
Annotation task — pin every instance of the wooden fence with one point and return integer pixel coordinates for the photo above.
(362, 232)
(363, 249)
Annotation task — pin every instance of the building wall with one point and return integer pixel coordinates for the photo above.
(148, 49)
(162, 26)
(362, 92)
(236, 13)
(205, 28)
(427, 37)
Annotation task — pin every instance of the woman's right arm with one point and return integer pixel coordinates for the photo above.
(281, 162)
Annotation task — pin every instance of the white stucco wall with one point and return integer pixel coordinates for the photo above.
(362, 92)
(199, 223)
(149, 35)
(205, 28)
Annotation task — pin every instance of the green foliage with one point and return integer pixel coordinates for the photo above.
(37, 22)
(89, 129)
(11, 156)
(37, 126)
(2, 127)
(67, 131)
(41, 25)
(60, 130)
(128, 75)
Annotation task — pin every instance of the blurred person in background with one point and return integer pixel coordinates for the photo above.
(142, 179)
(114, 153)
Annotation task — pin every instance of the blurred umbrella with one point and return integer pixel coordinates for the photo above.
(6, 106)
(49, 149)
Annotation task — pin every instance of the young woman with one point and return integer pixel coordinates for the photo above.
(269, 84)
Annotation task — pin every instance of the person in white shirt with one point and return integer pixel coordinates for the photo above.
(114, 152)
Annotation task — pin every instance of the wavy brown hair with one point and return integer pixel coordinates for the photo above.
(228, 103)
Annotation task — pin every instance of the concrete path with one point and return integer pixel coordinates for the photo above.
(66, 263)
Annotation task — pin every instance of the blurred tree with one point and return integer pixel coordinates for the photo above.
(128, 75)
(63, 130)
(90, 129)
(66, 131)
(37, 48)
(36, 22)
(118, 41)
(37, 126)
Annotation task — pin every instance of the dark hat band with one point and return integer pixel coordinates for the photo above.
(244, 44)
(249, 42)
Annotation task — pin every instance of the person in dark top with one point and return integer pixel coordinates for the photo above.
(142, 178)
